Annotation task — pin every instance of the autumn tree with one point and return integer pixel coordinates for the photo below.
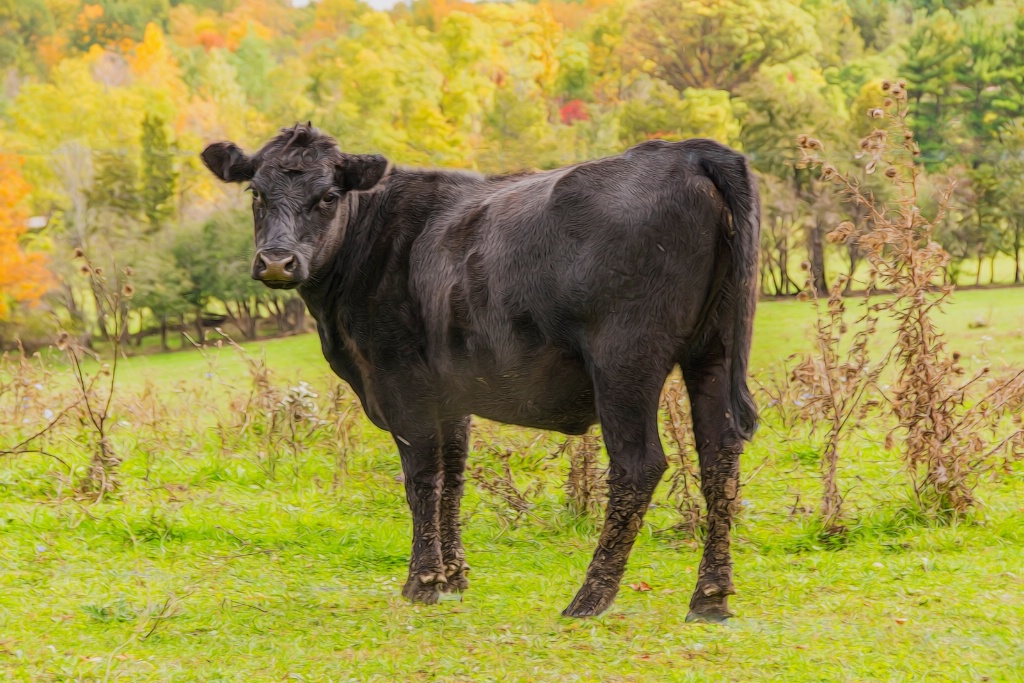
(23, 274)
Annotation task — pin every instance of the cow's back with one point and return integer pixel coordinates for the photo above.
(523, 274)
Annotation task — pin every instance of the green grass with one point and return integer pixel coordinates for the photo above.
(210, 570)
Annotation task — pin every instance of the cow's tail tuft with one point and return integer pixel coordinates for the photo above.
(729, 171)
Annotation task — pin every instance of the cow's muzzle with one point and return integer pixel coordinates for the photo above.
(279, 270)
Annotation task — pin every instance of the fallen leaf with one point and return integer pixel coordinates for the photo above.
(642, 586)
(901, 620)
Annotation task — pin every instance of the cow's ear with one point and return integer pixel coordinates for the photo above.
(228, 162)
(361, 171)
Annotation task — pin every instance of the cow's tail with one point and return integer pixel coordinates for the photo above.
(729, 171)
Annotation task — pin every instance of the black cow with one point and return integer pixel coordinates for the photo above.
(552, 300)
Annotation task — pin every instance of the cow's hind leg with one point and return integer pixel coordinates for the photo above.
(454, 449)
(627, 405)
(719, 447)
(421, 464)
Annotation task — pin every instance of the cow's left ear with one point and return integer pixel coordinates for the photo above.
(360, 171)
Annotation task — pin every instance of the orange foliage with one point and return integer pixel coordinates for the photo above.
(573, 15)
(23, 276)
(210, 39)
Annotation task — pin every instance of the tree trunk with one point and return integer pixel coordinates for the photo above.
(163, 334)
(250, 314)
(1016, 251)
(200, 332)
(816, 255)
(854, 255)
(295, 315)
(784, 268)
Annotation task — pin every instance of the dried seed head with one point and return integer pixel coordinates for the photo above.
(805, 266)
(891, 172)
(876, 113)
(98, 271)
(63, 340)
(128, 290)
(842, 233)
(886, 84)
(129, 271)
(887, 102)
(84, 270)
(78, 253)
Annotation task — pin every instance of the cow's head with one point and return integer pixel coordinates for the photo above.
(300, 183)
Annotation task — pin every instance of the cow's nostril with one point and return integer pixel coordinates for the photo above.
(289, 264)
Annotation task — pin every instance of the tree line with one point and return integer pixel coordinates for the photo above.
(104, 105)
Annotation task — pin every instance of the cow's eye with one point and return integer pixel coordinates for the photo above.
(255, 193)
(330, 198)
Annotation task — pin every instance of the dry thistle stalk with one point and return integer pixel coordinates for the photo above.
(96, 389)
(500, 483)
(585, 486)
(834, 384)
(938, 412)
(684, 479)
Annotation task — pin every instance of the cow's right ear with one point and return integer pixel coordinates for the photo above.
(228, 162)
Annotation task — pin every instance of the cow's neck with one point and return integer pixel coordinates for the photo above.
(372, 261)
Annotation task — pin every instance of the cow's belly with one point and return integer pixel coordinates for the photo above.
(551, 391)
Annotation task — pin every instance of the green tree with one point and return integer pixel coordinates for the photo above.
(934, 57)
(716, 44)
(162, 286)
(159, 178)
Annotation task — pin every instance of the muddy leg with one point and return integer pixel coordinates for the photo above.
(719, 447)
(629, 422)
(421, 464)
(454, 448)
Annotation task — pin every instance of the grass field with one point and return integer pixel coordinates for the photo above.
(210, 567)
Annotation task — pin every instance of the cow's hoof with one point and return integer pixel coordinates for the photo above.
(590, 602)
(709, 617)
(455, 573)
(425, 588)
(710, 604)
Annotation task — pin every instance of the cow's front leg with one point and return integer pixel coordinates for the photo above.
(421, 464)
(454, 449)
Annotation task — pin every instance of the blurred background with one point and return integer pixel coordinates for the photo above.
(105, 105)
